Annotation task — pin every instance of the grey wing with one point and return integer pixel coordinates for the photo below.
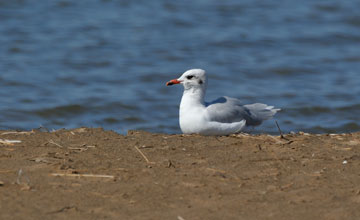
(228, 110)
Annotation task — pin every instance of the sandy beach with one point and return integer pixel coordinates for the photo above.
(90, 173)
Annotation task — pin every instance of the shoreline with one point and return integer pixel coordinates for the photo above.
(92, 173)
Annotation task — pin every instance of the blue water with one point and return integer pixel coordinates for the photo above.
(66, 64)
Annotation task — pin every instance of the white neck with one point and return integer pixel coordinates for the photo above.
(193, 97)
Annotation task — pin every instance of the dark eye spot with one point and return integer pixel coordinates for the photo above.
(200, 82)
(189, 77)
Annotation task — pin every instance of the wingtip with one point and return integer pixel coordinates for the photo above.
(272, 108)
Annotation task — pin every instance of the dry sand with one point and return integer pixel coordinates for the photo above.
(95, 174)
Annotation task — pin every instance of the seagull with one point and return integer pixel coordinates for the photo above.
(222, 116)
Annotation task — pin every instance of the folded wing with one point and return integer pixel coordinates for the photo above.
(229, 110)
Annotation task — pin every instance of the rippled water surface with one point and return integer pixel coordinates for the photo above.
(65, 64)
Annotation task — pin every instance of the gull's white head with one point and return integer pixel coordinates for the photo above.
(191, 79)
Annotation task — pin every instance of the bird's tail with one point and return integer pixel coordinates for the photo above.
(260, 112)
